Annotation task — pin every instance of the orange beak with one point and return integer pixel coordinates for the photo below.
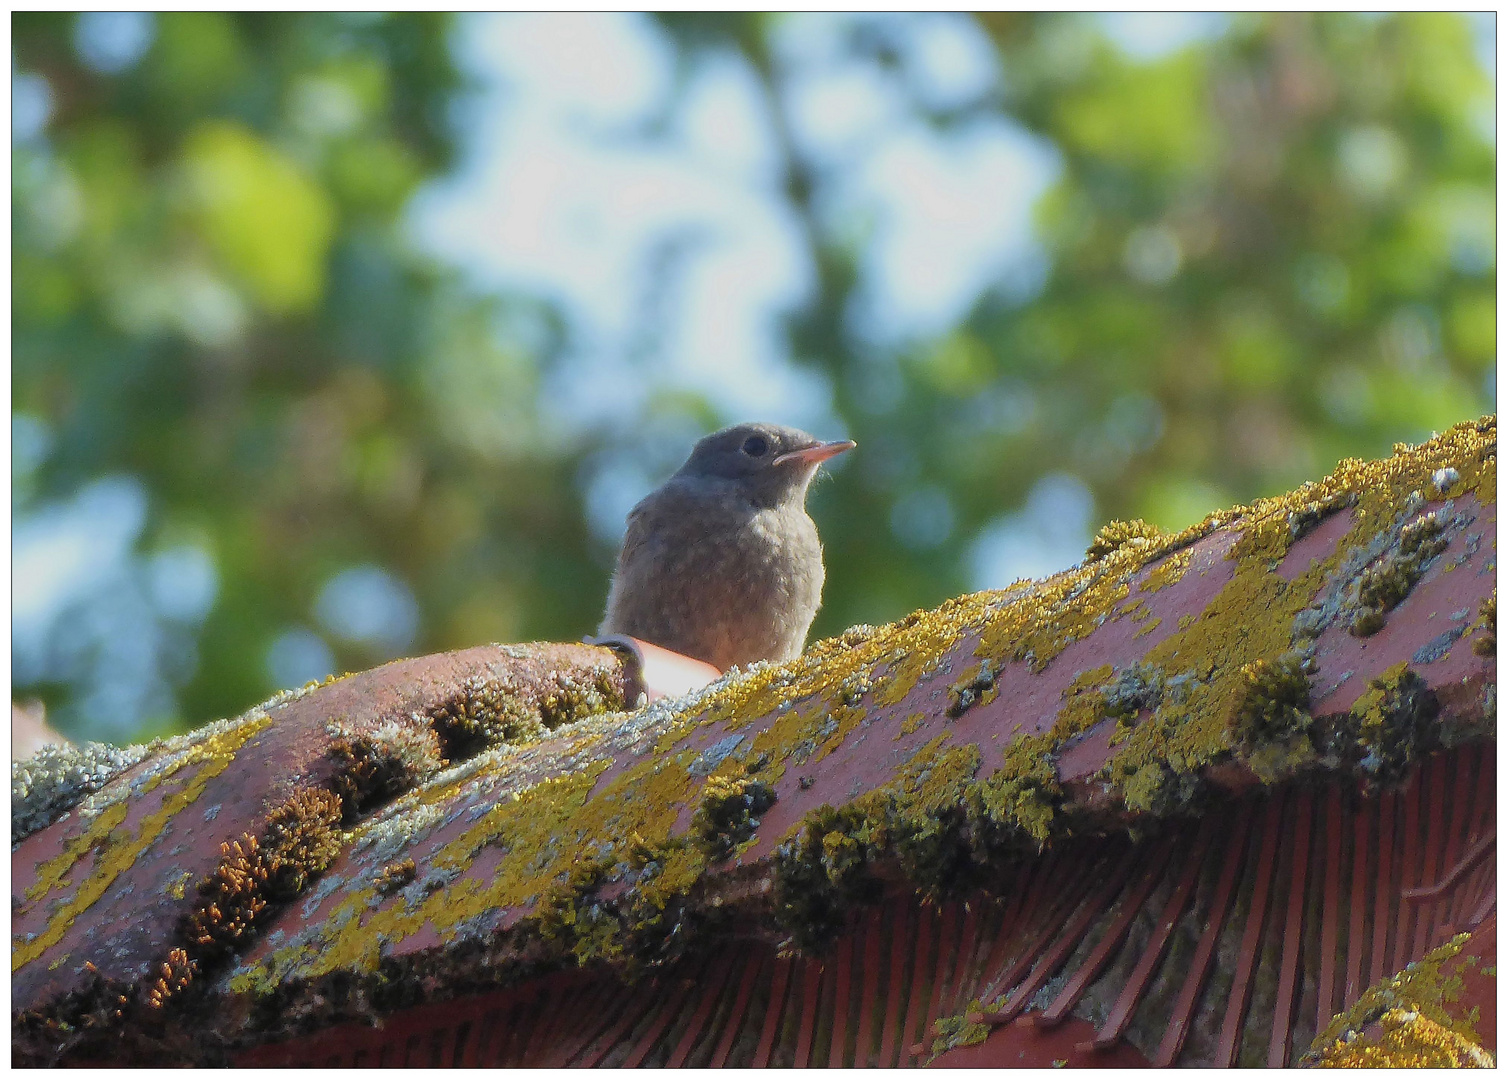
(815, 455)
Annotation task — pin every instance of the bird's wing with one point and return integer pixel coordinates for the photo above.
(638, 534)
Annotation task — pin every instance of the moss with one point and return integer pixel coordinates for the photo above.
(1385, 584)
(927, 823)
(1270, 718)
(568, 912)
(614, 780)
(930, 821)
(299, 841)
(100, 1005)
(375, 765)
(1261, 613)
(1392, 722)
(728, 813)
(648, 930)
(116, 851)
(821, 873)
(1486, 643)
(1021, 799)
(1155, 789)
(1423, 1030)
(302, 839)
(232, 898)
(491, 710)
(173, 976)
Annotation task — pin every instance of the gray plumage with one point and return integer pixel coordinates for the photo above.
(722, 562)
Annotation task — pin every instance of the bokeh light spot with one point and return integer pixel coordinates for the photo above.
(111, 42)
(366, 605)
(298, 656)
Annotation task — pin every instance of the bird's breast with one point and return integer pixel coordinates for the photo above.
(722, 580)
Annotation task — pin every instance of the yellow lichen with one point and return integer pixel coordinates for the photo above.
(910, 725)
(1419, 1028)
(950, 1032)
(1118, 534)
(213, 756)
(1168, 572)
(1408, 1040)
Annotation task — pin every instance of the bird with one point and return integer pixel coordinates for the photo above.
(722, 562)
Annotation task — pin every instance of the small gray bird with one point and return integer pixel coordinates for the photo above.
(722, 563)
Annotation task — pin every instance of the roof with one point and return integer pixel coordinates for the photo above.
(474, 818)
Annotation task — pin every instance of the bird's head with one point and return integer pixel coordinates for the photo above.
(772, 464)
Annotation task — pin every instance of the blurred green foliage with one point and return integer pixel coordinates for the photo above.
(211, 292)
(1265, 252)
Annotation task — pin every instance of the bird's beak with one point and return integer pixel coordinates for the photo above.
(814, 455)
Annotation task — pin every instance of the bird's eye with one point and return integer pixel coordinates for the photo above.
(756, 445)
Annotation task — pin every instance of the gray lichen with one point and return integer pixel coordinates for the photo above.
(52, 782)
